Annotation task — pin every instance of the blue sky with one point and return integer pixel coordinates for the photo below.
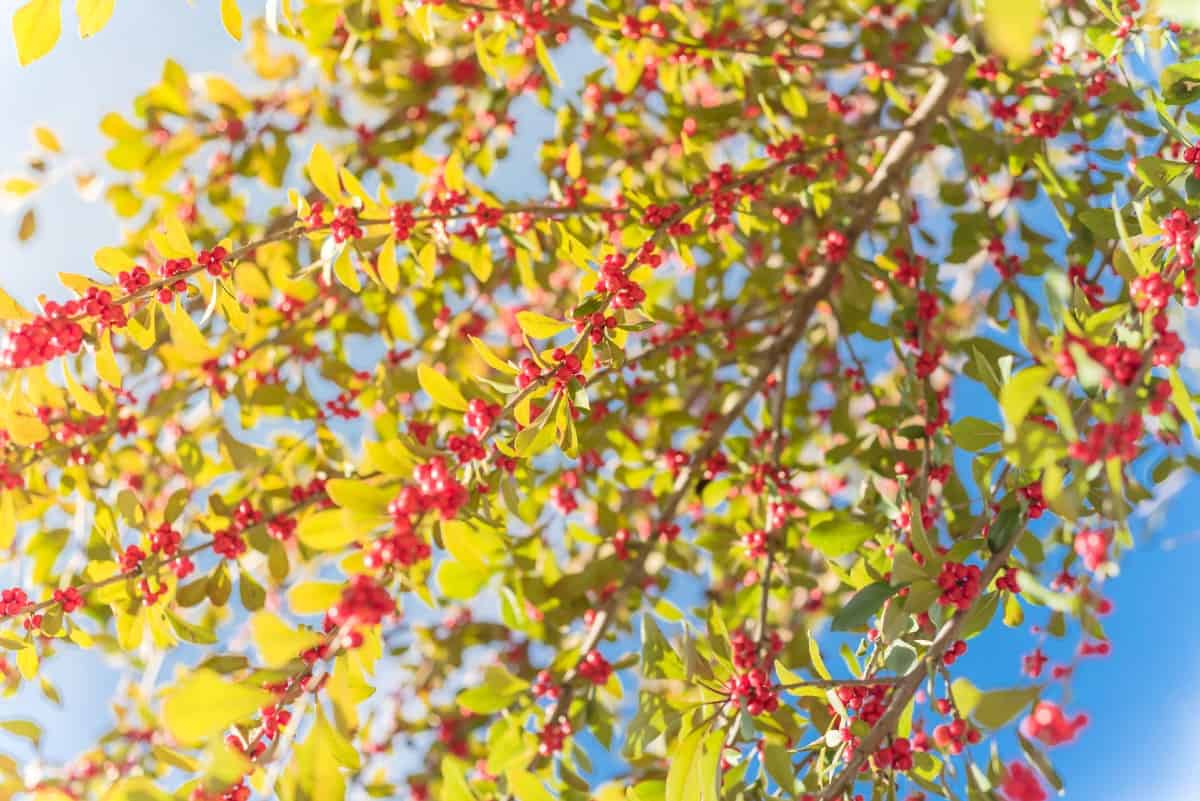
(1143, 700)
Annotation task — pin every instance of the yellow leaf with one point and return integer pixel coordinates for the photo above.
(106, 361)
(527, 787)
(46, 138)
(93, 15)
(82, 398)
(574, 160)
(11, 311)
(440, 388)
(453, 174)
(205, 703)
(19, 187)
(427, 258)
(113, 260)
(231, 18)
(539, 326)
(186, 336)
(27, 430)
(36, 28)
(326, 531)
(543, 57)
(1012, 25)
(27, 661)
(278, 642)
(389, 272)
(313, 597)
(346, 272)
(8, 521)
(177, 237)
(489, 356)
(323, 172)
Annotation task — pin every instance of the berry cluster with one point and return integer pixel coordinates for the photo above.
(595, 668)
(959, 584)
(1049, 724)
(753, 692)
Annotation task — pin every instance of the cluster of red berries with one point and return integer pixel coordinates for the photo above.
(1092, 547)
(569, 369)
(69, 599)
(364, 602)
(866, 702)
(52, 334)
(213, 261)
(133, 281)
(959, 584)
(228, 543)
(1021, 784)
(957, 649)
(13, 601)
(753, 692)
(436, 489)
(756, 543)
(955, 736)
(402, 547)
(544, 686)
(1008, 580)
(626, 293)
(1049, 724)
(746, 651)
(553, 735)
(344, 224)
(597, 326)
(480, 415)
(401, 216)
(165, 540)
(1179, 231)
(896, 756)
(530, 372)
(1107, 440)
(595, 668)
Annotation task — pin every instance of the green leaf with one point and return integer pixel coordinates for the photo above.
(683, 776)
(974, 434)
(1039, 761)
(497, 691)
(1006, 526)
(839, 536)
(866, 602)
(205, 703)
(997, 707)
(1020, 394)
(277, 641)
(440, 388)
(1011, 26)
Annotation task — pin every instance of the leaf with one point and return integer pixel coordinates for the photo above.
(489, 356)
(323, 172)
(1011, 26)
(113, 260)
(1004, 528)
(454, 781)
(46, 139)
(26, 430)
(440, 389)
(543, 57)
(106, 361)
(231, 18)
(313, 597)
(36, 28)
(28, 226)
(866, 602)
(277, 641)
(19, 187)
(682, 775)
(539, 326)
(205, 703)
(1018, 395)
(974, 434)
(24, 728)
(93, 15)
(1039, 761)
(326, 530)
(27, 662)
(997, 707)
(389, 271)
(85, 400)
(358, 496)
(498, 690)
(839, 536)
(186, 336)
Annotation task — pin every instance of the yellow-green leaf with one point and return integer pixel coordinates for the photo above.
(277, 641)
(27, 662)
(489, 356)
(1012, 25)
(36, 28)
(313, 597)
(539, 326)
(440, 388)
(1018, 395)
(186, 336)
(93, 15)
(231, 18)
(326, 530)
(358, 496)
(527, 787)
(389, 272)
(205, 703)
(113, 260)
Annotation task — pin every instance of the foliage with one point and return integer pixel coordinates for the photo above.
(514, 448)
